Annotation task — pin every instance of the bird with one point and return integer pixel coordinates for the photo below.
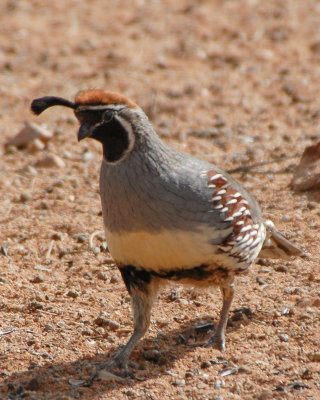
(167, 216)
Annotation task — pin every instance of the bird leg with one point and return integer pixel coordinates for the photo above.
(142, 287)
(218, 339)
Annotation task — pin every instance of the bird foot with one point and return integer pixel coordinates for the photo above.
(216, 341)
(103, 371)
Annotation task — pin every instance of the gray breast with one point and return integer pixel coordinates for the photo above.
(158, 191)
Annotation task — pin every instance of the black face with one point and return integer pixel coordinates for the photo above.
(105, 126)
(114, 139)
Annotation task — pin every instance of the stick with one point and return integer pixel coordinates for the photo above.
(246, 168)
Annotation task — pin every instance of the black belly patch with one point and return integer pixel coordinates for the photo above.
(133, 277)
(197, 273)
(140, 278)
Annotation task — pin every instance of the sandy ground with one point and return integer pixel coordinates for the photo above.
(233, 82)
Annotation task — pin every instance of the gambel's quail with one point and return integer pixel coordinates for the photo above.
(167, 215)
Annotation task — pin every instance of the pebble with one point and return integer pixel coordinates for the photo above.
(87, 332)
(114, 279)
(265, 395)
(174, 295)
(105, 375)
(218, 384)
(205, 364)
(34, 383)
(244, 370)
(96, 250)
(87, 156)
(25, 197)
(314, 357)
(260, 281)
(130, 392)
(77, 382)
(102, 321)
(48, 328)
(57, 236)
(284, 337)
(36, 145)
(103, 276)
(312, 205)
(29, 132)
(36, 279)
(4, 250)
(181, 382)
(50, 161)
(73, 293)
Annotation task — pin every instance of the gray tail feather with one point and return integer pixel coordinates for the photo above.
(277, 246)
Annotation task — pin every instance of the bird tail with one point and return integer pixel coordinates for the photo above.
(277, 246)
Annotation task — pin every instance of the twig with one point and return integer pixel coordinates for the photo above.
(246, 168)
(49, 249)
(7, 331)
(92, 236)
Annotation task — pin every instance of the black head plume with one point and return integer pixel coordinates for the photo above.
(42, 103)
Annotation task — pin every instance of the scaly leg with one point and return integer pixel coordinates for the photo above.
(142, 287)
(218, 339)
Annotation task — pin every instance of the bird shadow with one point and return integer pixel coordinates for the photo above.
(55, 380)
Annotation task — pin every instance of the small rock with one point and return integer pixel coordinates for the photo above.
(87, 156)
(104, 246)
(314, 357)
(114, 279)
(266, 395)
(36, 279)
(218, 384)
(205, 364)
(36, 145)
(307, 174)
(34, 383)
(56, 236)
(28, 133)
(25, 197)
(35, 305)
(103, 276)
(77, 382)
(73, 293)
(174, 295)
(316, 303)
(281, 268)
(87, 332)
(105, 375)
(260, 281)
(178, 383)
(50, 161)
(189, 374)
(96, 250)
(102, 321)
(48, 328)
(312, 205)
(284, 337)
(244, 370)
(4, 250)
(130, 392)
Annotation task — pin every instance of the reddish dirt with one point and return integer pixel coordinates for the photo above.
(233, 82)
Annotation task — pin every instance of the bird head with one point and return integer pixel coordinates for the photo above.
(104, 116)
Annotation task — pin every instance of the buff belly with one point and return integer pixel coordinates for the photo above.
(167, 251)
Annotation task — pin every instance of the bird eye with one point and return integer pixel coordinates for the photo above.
(107, 116)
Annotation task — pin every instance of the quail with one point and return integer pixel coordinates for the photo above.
(167, 216)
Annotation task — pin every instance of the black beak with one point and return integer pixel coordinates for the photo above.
(84, 132)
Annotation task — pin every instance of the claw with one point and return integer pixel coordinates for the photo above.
(217, 342)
